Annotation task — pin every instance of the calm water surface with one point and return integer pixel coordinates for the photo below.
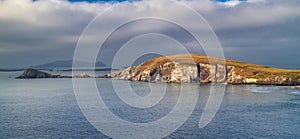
(47, 108)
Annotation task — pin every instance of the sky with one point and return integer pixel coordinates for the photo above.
(263, 32)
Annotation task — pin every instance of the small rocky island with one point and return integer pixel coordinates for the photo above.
(203, 69)
(36, 74)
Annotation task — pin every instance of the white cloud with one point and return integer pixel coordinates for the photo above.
(253, 13)
(230, 3)
(47, 12)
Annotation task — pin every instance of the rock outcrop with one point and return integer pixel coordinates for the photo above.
(36, 74)
(82, 75)
(33, 73)
(177, 69)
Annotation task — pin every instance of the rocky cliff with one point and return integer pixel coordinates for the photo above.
(197, 68)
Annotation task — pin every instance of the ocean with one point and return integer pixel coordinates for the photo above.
(48, 108)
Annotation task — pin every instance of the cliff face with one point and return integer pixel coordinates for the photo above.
(235, 76)
(200, 70)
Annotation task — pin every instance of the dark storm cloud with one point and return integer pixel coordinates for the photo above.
(264, 32)
(257, 31)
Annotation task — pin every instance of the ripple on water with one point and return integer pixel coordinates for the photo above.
(296, 92)
(266, 89)
(273, 89)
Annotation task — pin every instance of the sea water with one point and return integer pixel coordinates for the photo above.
(47, 108)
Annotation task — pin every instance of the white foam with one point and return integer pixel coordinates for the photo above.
(296, 92)
(270, 89)
(260, 90)
(274, 89)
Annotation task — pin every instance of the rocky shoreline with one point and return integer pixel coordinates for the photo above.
(175, 69)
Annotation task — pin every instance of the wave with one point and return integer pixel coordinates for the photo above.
(273, 89)
(295, 92)
(261, 89)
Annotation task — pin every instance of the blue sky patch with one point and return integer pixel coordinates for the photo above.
(226, 0)
(100, 0)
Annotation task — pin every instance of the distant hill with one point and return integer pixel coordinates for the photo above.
(10, 70)
(67, 64)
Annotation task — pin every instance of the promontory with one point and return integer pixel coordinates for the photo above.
(188, 68)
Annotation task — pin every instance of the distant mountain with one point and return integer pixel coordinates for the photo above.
(68, 64)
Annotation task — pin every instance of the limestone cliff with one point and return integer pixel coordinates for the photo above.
(197, 68)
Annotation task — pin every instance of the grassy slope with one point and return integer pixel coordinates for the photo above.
(245, 69)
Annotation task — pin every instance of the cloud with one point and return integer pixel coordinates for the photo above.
(249, 14)
(34, 32)
(231, 3)
(37, 31)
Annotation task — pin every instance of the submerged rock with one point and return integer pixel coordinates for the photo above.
(203, 69)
